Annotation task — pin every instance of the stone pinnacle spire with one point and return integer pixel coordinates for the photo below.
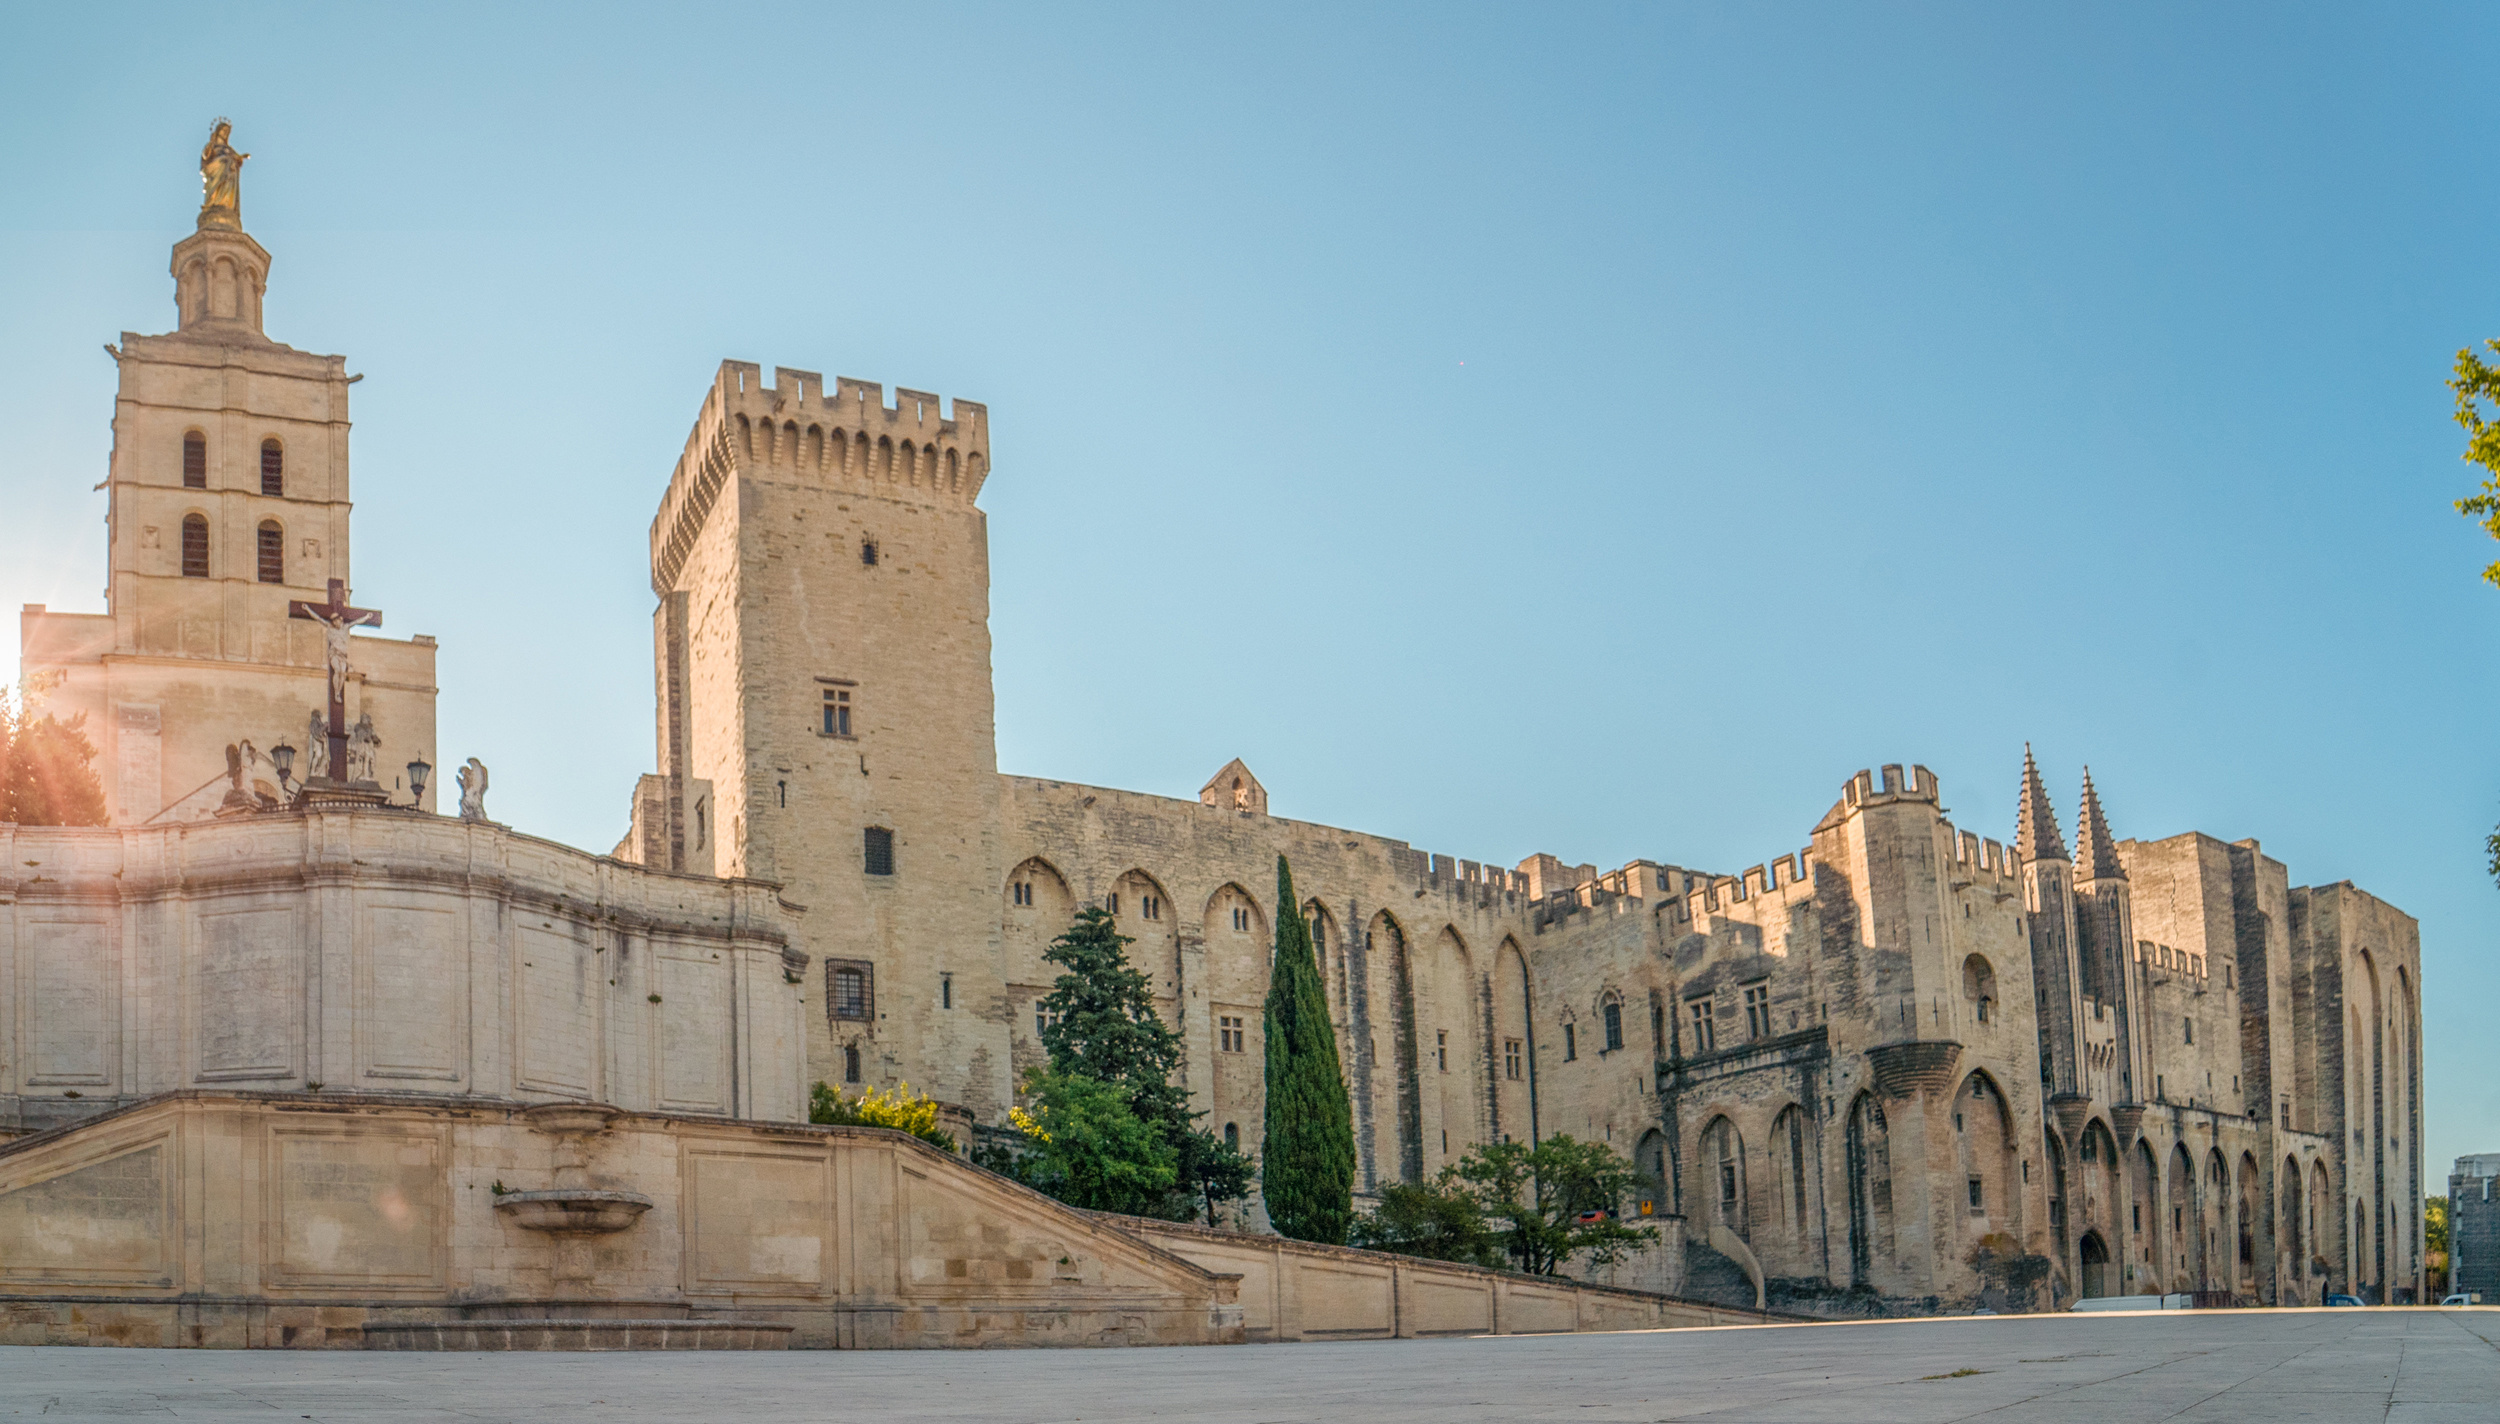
(2096, 854)
(2035, 824)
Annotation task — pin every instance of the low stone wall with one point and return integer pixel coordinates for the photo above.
(289, 1219)
(1294, 1290)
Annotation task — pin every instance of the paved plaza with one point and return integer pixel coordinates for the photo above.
(2413, 1366)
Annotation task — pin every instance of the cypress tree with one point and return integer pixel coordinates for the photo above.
(1307, 1163)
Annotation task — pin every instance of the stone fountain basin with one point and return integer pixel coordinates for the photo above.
(573, 1211)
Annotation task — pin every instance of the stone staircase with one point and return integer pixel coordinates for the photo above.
(1710, 1275)
(577, 1325)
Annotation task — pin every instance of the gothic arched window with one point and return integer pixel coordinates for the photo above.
(194, 546)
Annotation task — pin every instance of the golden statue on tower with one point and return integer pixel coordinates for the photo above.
(221, 181)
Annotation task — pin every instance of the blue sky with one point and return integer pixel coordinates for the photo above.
(1574, 428)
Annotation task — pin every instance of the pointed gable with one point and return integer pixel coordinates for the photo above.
(1235, 789)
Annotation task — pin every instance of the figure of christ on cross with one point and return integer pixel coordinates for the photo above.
(336, 618)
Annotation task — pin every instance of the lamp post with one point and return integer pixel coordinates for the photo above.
(418, 771)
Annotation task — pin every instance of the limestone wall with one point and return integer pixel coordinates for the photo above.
(376, 952)
(1294, 1290)
(245, 1220)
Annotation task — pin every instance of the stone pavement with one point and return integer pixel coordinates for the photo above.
(2420, 1366)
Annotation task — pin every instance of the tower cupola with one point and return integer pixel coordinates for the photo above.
(219, 271)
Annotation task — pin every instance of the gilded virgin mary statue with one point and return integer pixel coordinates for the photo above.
(221, 181)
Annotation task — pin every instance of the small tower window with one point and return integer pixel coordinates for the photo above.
(194, 546)
(878, 851)
(195, 461)
(272, 552)
(850, 990)
(272, 467)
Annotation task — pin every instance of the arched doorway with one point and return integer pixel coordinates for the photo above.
(2096, 1272)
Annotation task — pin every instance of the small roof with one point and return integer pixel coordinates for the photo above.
(1235, 788)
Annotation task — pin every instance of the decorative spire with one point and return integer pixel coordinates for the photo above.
(2035, 823)
(2096, 854)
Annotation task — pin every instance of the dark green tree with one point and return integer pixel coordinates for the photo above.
(1558, 1199)
(1105, 1028)
(1306, 1170)
(1440, 1220)
(47, 773)
(1083, 1145)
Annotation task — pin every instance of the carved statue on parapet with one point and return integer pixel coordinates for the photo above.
(472, 779)
(364, 748)
(240, 756)
(317, 746)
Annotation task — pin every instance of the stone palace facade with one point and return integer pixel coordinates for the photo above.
(2157, 1064)
(1863, 1074)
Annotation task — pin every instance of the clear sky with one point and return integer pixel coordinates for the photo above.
(1549, 427)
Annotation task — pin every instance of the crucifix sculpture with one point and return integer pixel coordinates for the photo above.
(336, 618)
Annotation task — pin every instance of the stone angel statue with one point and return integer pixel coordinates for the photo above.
(317, 746)
(472, 779)
(221, 180)
(364, 749)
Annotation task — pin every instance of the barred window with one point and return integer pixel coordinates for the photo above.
(272, 467)
(878, 851)
(272, 552)
(194, 546)
(850, 989)
(195, 461)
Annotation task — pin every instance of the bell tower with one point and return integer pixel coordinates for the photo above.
(229, 499)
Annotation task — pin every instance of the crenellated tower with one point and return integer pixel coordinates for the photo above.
(821, 653)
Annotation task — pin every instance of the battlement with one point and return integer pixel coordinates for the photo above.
(1862, 790)
(914, 448)
(1975, 857)
(1780, 873)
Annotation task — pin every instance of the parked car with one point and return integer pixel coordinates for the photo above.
(2343, 1300)
(2460, 1298)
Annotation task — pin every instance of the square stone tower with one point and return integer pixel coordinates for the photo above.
(229, 497)
(822, 652)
